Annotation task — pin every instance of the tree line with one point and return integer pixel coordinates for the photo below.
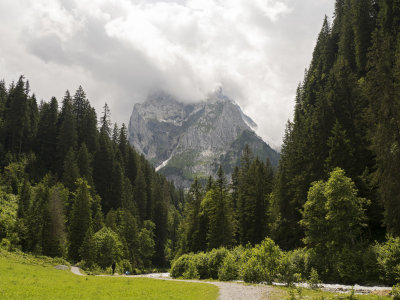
(72, 186)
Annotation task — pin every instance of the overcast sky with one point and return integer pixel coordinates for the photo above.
(119, 50)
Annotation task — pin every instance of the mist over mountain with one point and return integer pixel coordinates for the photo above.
(184, 141)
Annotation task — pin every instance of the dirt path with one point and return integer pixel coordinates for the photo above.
(227, 290)
(239, 291)
(76, 271)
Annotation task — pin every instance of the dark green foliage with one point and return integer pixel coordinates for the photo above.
(102, 168)
(254, 183)
(216, 209)
(71, 171)
(344, 117)
(67, 135)
(80, 219)
(84, 163)
(383, 93)
(55, 234)
(46, 139)
(146, 243)
(18, 118)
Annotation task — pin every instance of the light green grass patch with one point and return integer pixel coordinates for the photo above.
(32, 279)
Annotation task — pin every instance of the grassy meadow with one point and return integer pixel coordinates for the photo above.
(26, 277)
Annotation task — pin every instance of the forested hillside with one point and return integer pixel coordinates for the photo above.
(347, 116)
(72, 186)
(337, 189)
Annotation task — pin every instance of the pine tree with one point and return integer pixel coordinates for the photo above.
(54, 235)
(161, 222)
(216, 206)
(105, 123)
(80, 219)
(67, 134)
(141, 195)
(46, 139)
(103, 166)
(71, 171)
(17, 120)
(340, 151)
(85, 164)
(195, 236)
(383, 93)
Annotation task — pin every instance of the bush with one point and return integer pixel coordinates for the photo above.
(215, 260)
(370, 263)
(389, 260)
(201, 262)
(252, 270)
(349, 265)
(314, 281)
(288, 270)
(191, 271)
(123, 266)
(229, 269)
(180, 265)
(5, 244)
(263, 263)
(396, 291)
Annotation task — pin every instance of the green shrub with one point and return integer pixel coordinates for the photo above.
(288, 272)
(396, 291)
(191, 271)
(389, 260)
(370, 264)
(263, 263)
(201, 262)
(215, 260)
(349, 265)
(5, 244)
(180, 265)
(123, 266)
(252, 270)
(229, 269)
(314, 281)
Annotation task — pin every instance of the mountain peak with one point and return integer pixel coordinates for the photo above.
(184, 141)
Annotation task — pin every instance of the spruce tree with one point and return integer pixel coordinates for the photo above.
(80, 219)
(67, 134)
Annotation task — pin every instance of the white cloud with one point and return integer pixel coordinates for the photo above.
(118, 50)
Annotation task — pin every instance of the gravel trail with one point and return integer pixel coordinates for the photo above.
(76, 271)
(227, 290)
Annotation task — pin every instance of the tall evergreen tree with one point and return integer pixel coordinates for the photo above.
(67, 134)
(17, 118)
(80, 219)
(46, 138)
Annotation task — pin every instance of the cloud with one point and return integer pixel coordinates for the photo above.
(120, 50)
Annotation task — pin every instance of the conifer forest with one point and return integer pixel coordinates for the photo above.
(72, 186)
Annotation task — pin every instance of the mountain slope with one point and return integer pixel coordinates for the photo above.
(188, 140)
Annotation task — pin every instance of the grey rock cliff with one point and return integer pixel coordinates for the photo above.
(184, 141)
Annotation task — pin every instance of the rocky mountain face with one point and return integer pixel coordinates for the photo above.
(184, 141)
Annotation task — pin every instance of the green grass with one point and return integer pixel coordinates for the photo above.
(302, 293)
(26, 277)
